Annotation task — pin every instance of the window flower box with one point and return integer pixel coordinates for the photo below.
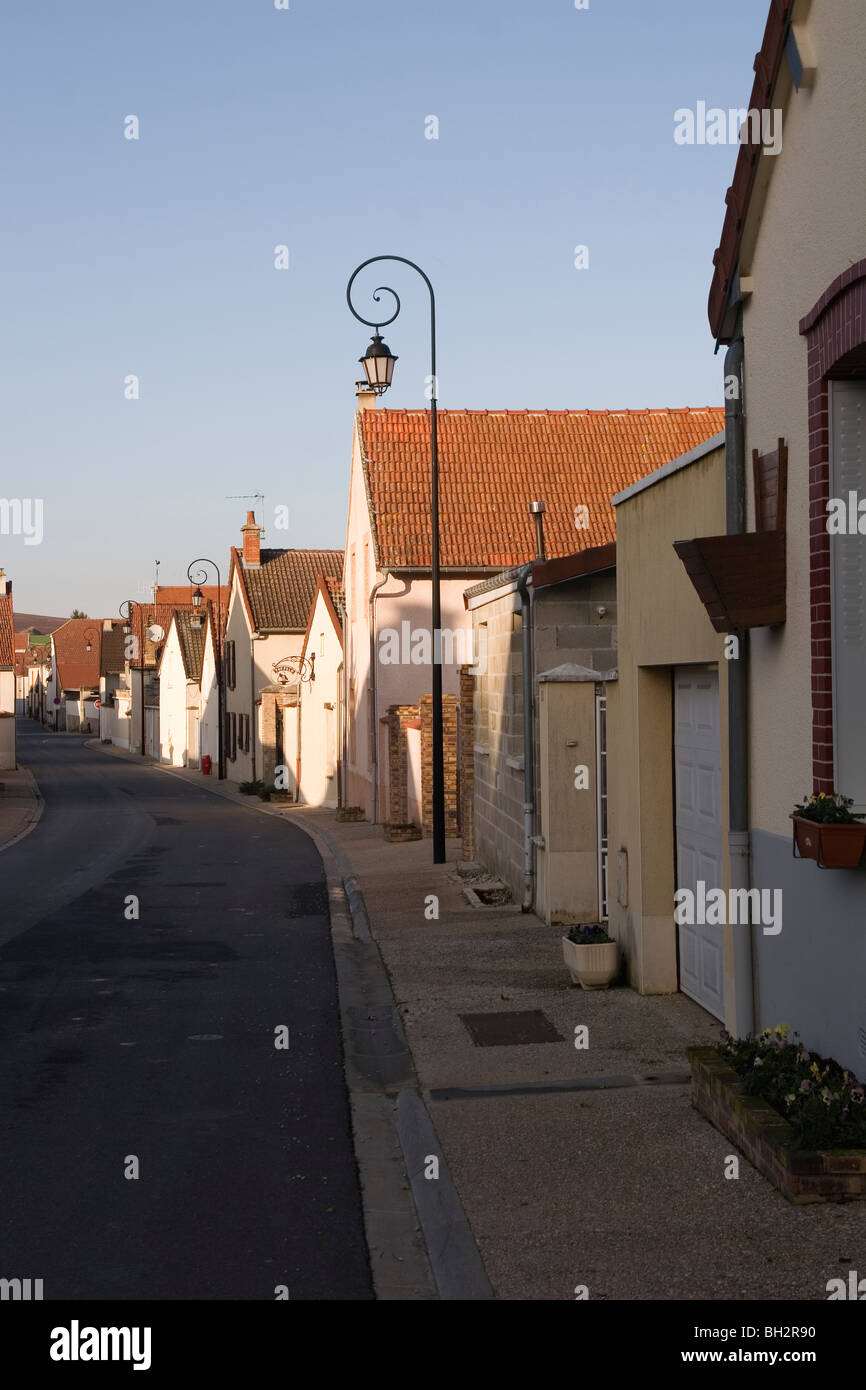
(826, 830)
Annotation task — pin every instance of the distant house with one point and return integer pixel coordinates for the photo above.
(187, 689)
(271, 594)
(114, 723)
(74, 681)
(319, 690)
(492, 465)
(150, 625)
(8, 758)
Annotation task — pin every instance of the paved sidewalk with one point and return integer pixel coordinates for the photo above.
(20, 805)
(617, 1187)
(621, 1189)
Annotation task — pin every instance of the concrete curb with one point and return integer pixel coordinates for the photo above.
(36, 813)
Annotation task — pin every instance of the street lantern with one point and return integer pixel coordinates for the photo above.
(379, 367)
(197, 598)
(378, 363)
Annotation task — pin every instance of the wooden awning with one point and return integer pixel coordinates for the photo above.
(741, 579)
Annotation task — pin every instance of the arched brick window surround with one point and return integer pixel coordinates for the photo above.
(835, 333)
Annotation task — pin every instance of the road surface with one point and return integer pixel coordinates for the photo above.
(148, 1045)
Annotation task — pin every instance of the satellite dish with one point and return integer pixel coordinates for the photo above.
(155, 633)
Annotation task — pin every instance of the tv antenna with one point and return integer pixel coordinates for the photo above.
(250, 497)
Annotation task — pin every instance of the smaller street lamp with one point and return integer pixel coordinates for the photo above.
(126, 610)
(197, 574)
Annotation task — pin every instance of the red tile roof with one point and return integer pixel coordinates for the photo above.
(180, 595)
(280, 591)
(493, 463)
(7, 631)
(78, 668)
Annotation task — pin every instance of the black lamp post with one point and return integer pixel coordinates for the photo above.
(378, 363)
(126, 610)
(197, 574)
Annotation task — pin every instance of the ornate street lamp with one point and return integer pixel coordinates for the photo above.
(126, 610)
(197, 574)
(378, 363)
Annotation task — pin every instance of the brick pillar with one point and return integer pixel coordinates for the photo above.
(467, 761)
(449, 729)
(271, 755)
(398, 826)
(269, 722)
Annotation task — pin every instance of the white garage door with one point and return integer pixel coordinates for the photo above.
(697, 760)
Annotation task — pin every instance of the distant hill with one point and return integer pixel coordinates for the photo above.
(38, 621)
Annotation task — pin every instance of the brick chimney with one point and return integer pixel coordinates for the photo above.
(367, 398)
(252, 535)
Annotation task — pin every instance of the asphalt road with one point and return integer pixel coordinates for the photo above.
(153, 1039)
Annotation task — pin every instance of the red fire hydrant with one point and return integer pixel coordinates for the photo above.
(206, 764)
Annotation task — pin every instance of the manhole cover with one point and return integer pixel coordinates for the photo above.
(510, 1029)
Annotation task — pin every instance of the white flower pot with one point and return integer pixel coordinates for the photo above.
(591, 967)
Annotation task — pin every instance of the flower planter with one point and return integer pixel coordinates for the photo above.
(765, 1137)
(832, 846)
(592, 967)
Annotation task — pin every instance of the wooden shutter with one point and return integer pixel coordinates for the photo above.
(848, 578)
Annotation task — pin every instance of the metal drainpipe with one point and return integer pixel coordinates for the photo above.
(253, 716)
(528, 749)
(738, 749)
(374, 729)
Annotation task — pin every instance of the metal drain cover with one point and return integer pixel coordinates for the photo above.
(510, 1029)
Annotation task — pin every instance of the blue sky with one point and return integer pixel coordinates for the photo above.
(306, 127)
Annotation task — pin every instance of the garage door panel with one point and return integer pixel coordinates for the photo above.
(698, 793)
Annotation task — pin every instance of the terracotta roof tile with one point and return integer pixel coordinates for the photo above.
(112, 658)
(492, 464)
(283, 587)
(78, 668)
(191, 635)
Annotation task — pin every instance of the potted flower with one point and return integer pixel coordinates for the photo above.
(827, 830)
(591, 955)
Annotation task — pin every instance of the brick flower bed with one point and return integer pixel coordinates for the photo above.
(764, 1136)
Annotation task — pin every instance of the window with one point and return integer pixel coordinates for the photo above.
(230, 667)
(244, 733)
(231, 735)
(848, 585)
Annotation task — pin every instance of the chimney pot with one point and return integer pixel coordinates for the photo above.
(252, 542)
(537, 510)
(367, 398)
